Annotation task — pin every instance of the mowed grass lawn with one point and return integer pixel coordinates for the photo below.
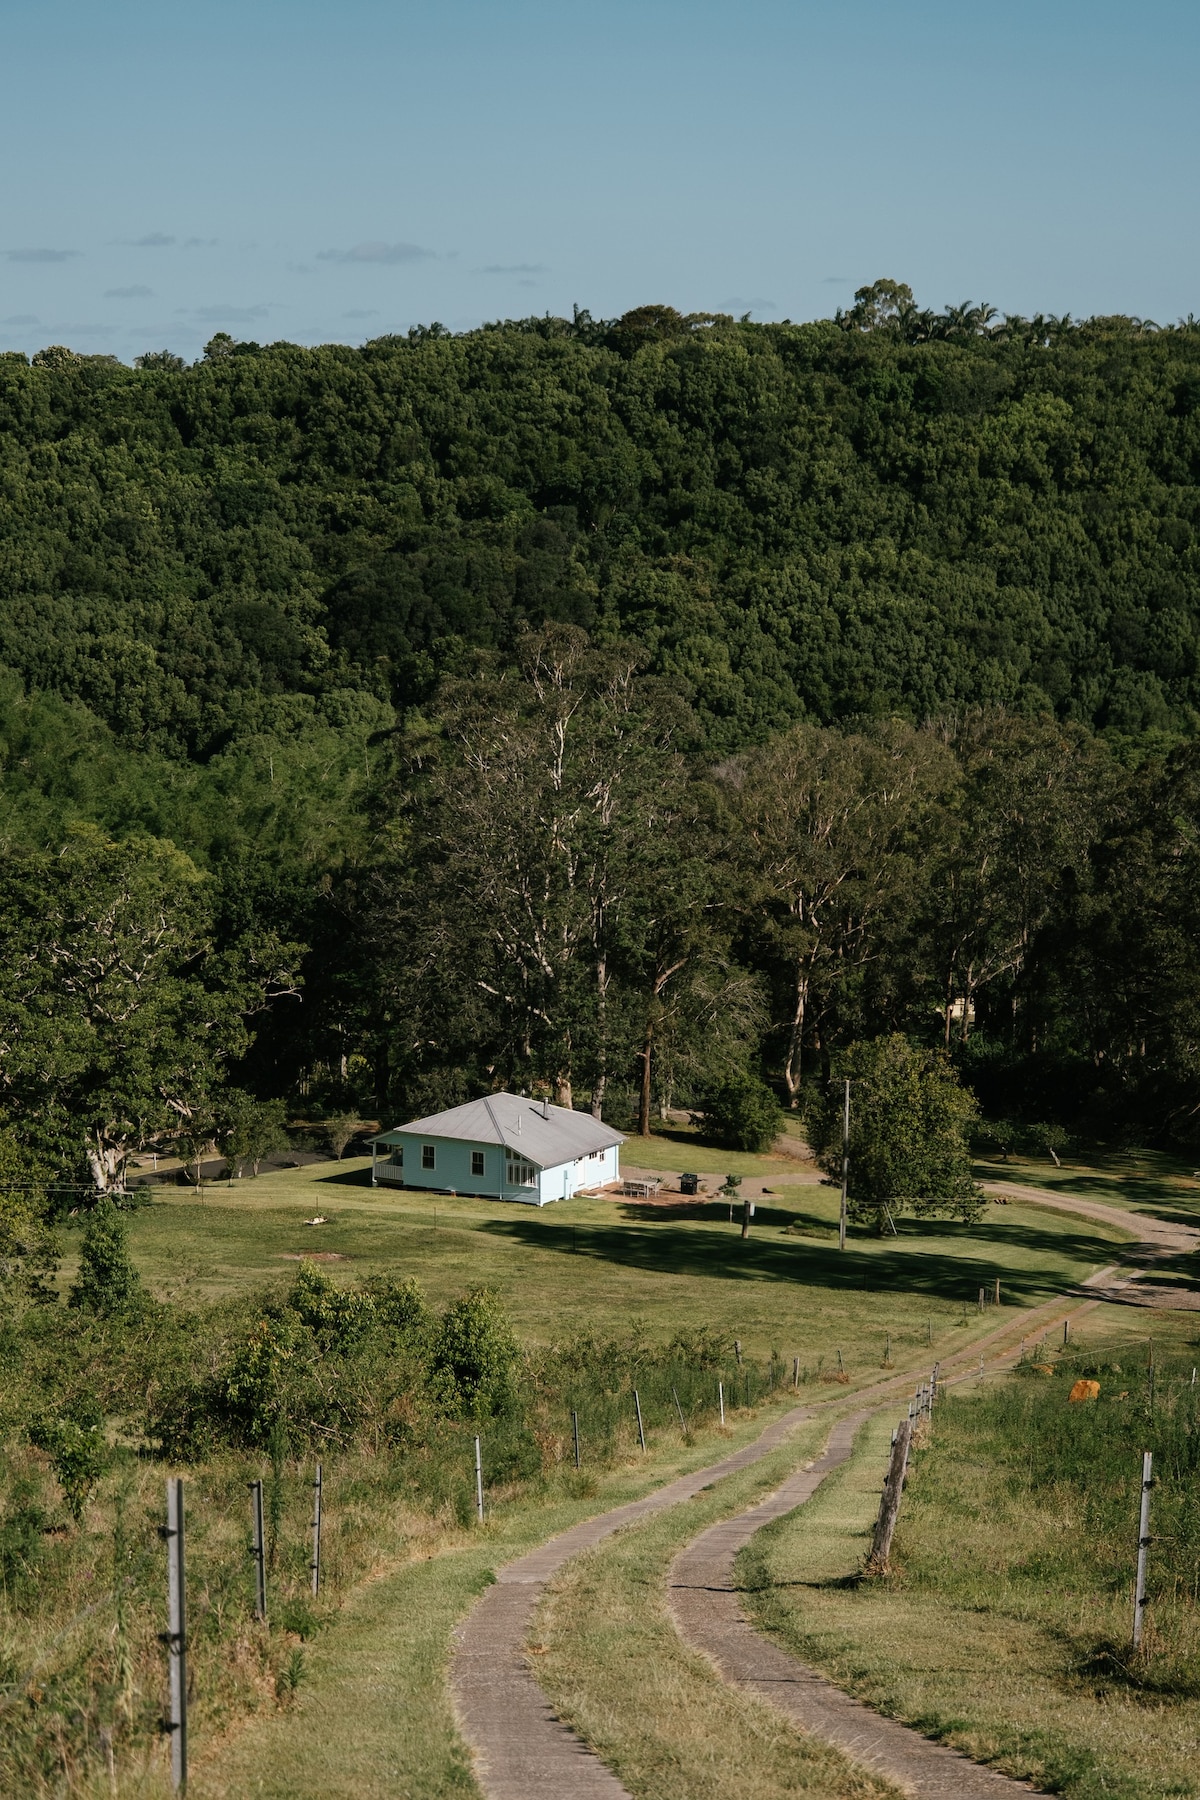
(603, 1265)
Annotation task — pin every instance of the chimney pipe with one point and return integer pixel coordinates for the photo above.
(545, 1109)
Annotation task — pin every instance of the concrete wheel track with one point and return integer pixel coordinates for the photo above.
(522, 1751)
(703, 1596)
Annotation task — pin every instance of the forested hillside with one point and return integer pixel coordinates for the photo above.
(624, 706)
(794, 520)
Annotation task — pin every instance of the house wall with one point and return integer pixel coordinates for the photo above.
(586, 1172)
(452, 1170)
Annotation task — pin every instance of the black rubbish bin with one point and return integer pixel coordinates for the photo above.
(689, 1184)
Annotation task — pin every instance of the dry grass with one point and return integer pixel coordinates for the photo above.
(613, 1665)
(80, 1657)
(343, 1701)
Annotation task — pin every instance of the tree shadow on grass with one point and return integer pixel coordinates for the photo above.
(893, 1266)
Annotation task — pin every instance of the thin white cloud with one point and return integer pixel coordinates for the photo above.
(375, 252)
(41, 256)
(513, 269)
(153, 240)
(738, 305)
(136, 292)
(231, 315)
(20, 319)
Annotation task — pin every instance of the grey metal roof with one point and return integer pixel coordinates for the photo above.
(543, 1134)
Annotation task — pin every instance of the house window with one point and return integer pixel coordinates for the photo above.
(397, 1157)
(477, 1162)
(518, 1172)
(428, 1156)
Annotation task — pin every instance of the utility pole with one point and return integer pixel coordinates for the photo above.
(845, 1168)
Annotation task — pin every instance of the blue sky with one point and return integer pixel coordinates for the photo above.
(321, 173)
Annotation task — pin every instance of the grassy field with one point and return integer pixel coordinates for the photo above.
(600, 1266)
(675, 1148)
(1139, 1180)
(611, 1662)
(1004, 1627)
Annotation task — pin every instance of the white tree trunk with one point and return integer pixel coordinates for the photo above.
(107, 1164)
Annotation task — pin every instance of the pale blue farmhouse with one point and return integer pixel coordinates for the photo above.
(502, 1147)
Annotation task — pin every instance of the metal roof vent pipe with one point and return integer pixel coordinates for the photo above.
(545, 1108)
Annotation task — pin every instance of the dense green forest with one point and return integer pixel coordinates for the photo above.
(623, 707)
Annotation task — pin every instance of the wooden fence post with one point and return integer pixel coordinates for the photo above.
(889, 1505)
(479, 1481)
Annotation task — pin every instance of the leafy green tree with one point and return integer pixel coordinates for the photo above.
(340, 1131)
(910, 1120)
(830, 832)
(119, 1014)
(1031, 804)
(108, 1282)
(535, 825)
(159, 359)
(1123, 955)
(997, 1135)
(742, 1113)
(28, 1245)
(252, 1130)
(1049, 1139)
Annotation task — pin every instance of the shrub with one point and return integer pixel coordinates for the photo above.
(78, 1450)
(22, 1539)
(107, 1282)
(476, 1354)
(742, 1113)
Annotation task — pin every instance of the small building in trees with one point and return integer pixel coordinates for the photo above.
(503, 1147)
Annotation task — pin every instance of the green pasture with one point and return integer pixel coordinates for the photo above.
(677, 1148)
(603, 1266)
(1148, 1181)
